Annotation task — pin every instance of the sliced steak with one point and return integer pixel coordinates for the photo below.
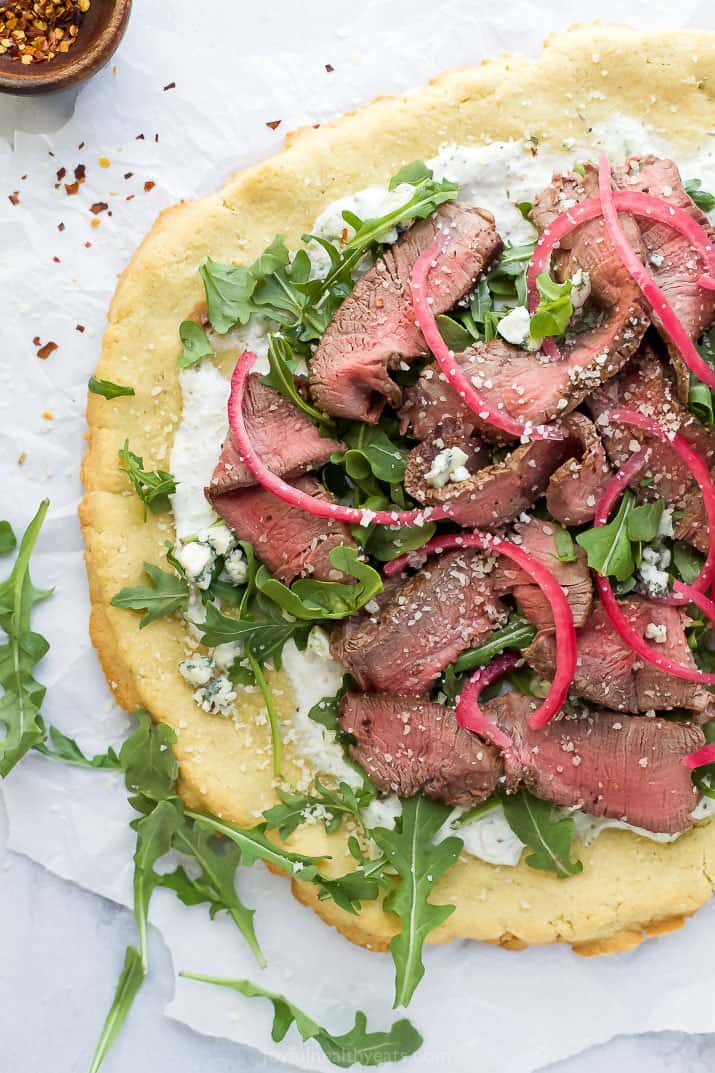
(539, 539)
(289, 541)
(285, 438)
(575, 488)
(646, 385)
(627, 769)
(608, 671)
(493, 494)
(374, 329)
(670, 257)
(420, 625)
(408, 746)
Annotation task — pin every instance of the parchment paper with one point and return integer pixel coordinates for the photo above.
(479, 1008)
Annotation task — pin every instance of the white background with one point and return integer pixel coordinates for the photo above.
(61, 946)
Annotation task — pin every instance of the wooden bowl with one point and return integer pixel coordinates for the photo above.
(99, 35)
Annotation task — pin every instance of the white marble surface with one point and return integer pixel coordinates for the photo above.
(62, 946)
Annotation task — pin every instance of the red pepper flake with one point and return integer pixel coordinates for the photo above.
(80, 146)
(274, 124)
(148, 186)
(23, 177)
(344, 236)
(79, 327)
(169, 85)
(61, 174)
(80, 173)
(56, 260)
(130, 197)
(316, 126)
(72, 188)
(139, 138)
(99, 206)
(87, 245)
(14, 197)
(128, 174)
(60, 226)
(329, 68)
(156, 137)
(44, 351)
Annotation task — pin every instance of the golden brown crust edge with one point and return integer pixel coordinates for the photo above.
(630, 887)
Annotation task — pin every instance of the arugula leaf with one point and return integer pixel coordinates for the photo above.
(371, 451)
(541, 829)
(419, 862)
(643, 521)
(386, 544)
(413, 174)
(321, 600)
(358, 1046)
(700, 401)
(281, 377)
(219, 861)
(295, 807)
(265, 637)
(130, 980)
(152, 486)
(107, 389)
(554, 311)
(525, 208)
(608, 547)
(694, 189)
(196, 344)
(155, 834)
(148, 762)
(563, 541)
(228, 291)
(68, 751)
(8, 540)
(22, 693)
(687, 561)
(428, 194)
(166, 594)
(518, 633)
(455, 335)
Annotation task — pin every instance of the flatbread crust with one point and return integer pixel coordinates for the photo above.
(630, 887)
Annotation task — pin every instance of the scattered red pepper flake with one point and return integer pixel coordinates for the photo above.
(72, 188)
(61, 172)
(315, 126)
(329, 68)
(139, 138)
(128, 174)
(148, 186)
(60, 226)
(23, 177)
(44, 352)
(14, 197)
(56, 260)
(344, 236)
(87, 245)
(79, 327)
(80, 173)
(99, 206)
(274, 124)
(169, 85)
(130, 197)
(156, 137)
(81, 146)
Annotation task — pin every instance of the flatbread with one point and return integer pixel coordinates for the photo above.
(630, 887)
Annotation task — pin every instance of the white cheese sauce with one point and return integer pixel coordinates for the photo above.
(495, 177)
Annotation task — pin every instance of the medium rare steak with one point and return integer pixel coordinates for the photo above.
(628, 768)
(575, 488)
(374, 329)
(409, 745)
(420, 625)
(285, 438)
(288, 540)
(610, 673)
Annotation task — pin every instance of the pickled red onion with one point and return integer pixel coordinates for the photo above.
(563, 619)
(294, 497)
(703, 756)
(469, 714)
(445, 357)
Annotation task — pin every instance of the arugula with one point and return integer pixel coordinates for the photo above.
(700, 397)
(419, 862)
(22, 693)
(613, 550)
(130, 980)
(332, 805)
(499, 291)
(281, 377)
(155, 834)
(563, 541)
(687, 561)
(107, 389)
(517, 633)
(165, 594)
(264, 637)
(229, 288)
(68, 751)
(196, 344)
(371, 452)
(152, 486)
(8, 540)
(315, 601)
(358, 1046)
(554, 311)
(548, 835)
(694, 189)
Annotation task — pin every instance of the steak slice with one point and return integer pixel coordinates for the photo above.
(374, 329)
(575, 488)
(408, 746)
(670, 256)
(284, 437)
(608, 671)
(646, 385)
(288, 540)
(420, 625)
(628, 769)
(539, 539)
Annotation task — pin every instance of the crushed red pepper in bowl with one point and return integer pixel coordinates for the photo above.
(35, 31)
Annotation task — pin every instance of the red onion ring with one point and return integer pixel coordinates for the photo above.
(469, 714)
(703, 756)
(293, 496)
(445, 357)
(563, 619)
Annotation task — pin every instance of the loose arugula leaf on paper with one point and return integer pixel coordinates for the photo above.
(419, 863)
(544, 831)
(22, 694)
(355, 1047)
